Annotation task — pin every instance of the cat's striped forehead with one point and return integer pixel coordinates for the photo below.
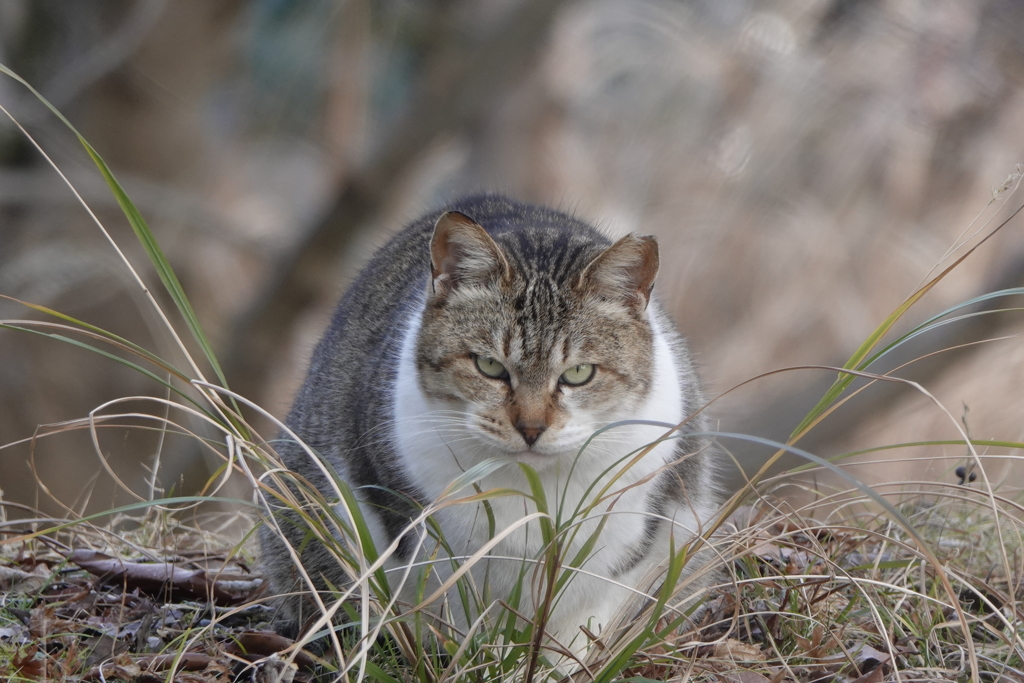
(540, 301)
(536, 324)
(545, 259)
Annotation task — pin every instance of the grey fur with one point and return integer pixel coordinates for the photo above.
(344, 409)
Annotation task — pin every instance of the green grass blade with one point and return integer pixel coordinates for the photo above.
(376, 673)
(876, 336)
(540, 499)
(937, 321)
(844, 380)
(159, 260)
(677, 560)
(131, 507)
(142, 232)
(106, 354)
(582, 555)
(99, 331)
(366, 542)
(473, 475)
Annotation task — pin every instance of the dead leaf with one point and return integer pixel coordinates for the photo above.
(41, 621)
(868, 658)
(764, 546)
(738, 651)
(113, 670)
(252, 645)
(808, 527)
(811, 648)
(907, 646)
(274, 670)
(26, 665)
(745, 516)
(14, 633)
(103, 647)
(188, 661)
(746, 677)
(83, 600)
(17, 581)
(874, 676)
(156, 578)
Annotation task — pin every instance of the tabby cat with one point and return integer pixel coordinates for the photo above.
(496, 330)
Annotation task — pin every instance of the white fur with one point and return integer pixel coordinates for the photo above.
(433, 451)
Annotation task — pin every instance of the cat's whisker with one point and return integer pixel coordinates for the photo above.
(395, 425)
(428, 427)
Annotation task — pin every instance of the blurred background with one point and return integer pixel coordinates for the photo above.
(805, 165)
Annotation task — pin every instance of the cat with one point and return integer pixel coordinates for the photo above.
(494, 330)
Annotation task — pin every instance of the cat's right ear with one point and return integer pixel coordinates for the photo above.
(461, 254)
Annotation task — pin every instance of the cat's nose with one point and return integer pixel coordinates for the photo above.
(530, 432)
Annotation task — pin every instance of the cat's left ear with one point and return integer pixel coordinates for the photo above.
(625, 270)
(462, 253)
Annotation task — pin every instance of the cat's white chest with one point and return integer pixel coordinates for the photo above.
(607, 481)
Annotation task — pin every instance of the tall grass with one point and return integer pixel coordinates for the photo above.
(904, 581)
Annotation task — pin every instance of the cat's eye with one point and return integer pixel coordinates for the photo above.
(577, 374)
(491, 368)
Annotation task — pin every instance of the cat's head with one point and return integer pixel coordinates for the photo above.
(539, 335)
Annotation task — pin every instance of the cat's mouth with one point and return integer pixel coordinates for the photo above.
(542, 451)
(533, 458)
(538, 452)
(530, 453)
